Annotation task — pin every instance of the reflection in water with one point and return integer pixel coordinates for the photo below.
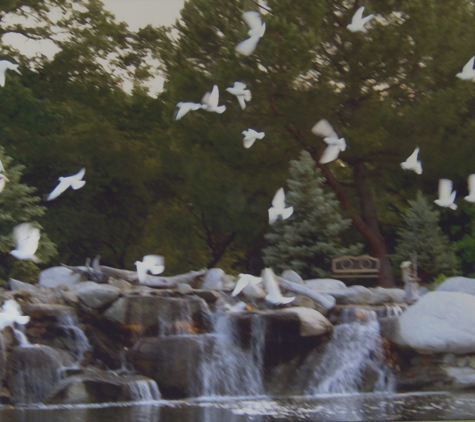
(331, 407)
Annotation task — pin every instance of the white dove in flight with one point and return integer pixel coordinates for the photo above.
(242, 94)
(278, 207)
(183, 108)
(256, 31)
(210, 101)
(250, 136)
(446, 195)
(73, 181)
(26, 239)
(3, 181)
(243, 281)
(4, 66)
(12, 314)
(412, 163)
(274, 295)
(151, 263)
(358, 22)
(335, 144)
(471, 189)
(468, 72)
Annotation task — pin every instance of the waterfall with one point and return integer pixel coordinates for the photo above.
(144, 390)
(226, 368)
(354, 349)
(179, 322)
(69, 323)
(21, 338)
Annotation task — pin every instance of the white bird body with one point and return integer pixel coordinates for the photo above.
(274, 295)
(468, 72)
(471, 189)
(210, 101)
(26, 239)
(250, 136)
(335, 144)
(12, 314)
(4, 66)
(412, 163)
(243, 281)
(2, 168)
(446, 194)
(73, 181)
(3, 181)
(150, 263)
(237, 307)
(358, 21)
(278, 207)
(256, 31)
(185, 107)
(242, 94)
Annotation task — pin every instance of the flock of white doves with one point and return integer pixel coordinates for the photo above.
(27, 237)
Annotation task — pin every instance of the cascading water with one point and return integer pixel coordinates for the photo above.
(144, 390)
(69, 325)
(356, 346)
(226, 368)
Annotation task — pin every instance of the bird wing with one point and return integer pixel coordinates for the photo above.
(241, 283)
(11, 306)
(2, 78)
(248, 142)
(26, 238)
(152, 260)
(330, 154)
(412, 159)
(242, 101)
(141, 271)
(62, 186)
(357, 17)
(246, 47)
(287, 212)
(79, 175)
(213, 98)
(467, 68)
(324, 129)
(445, 188)
(253, 19)
(279, 199)
(273, 214)
(471, 185)
(181, 110)
(77, 184)
(239, 86)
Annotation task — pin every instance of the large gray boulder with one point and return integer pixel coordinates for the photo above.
(325, 284)
(55, 276)
(312, 322)
(95, 295)
(440, 322)
(354, 295)
(458, 284)
(213, 279)
(383, 295)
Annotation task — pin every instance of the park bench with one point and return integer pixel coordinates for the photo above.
(363, 266)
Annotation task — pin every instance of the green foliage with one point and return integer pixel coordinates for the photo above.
(18, 205)
(423, 236)
(438, 281)
(307, 241)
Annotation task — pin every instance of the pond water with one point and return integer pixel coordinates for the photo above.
(354, 407)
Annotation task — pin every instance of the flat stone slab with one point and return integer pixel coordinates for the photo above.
(312, 322)
(325, 284)
(55, 276)
(95, 295)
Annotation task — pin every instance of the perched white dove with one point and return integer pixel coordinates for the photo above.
(274, 295)
(278, 207)
(468, 72)
(183, 108)
(151, 263)
(446, 195)
(210, 101)
(73, 181)
(26, 239)
(358, 22)
(12, 314)
(256, 31)
(3, 181)
(242, 94)
(471, 189)
(412, 163)
(243, 281)
(4, 66)
(250, 136)
(335, 144)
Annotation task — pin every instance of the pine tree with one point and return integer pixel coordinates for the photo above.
(18, 205)
(423, 236)
(308, 240)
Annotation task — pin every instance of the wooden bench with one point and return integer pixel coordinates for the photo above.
(363, 266)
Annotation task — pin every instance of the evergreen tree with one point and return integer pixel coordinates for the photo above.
(18, 205)
(308, 240)
(423, 236)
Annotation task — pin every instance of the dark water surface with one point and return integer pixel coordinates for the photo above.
(416, 406)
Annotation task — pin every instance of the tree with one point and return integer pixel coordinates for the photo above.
(308, 240)
(18, 205)
(385, 91)
(423, 236)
